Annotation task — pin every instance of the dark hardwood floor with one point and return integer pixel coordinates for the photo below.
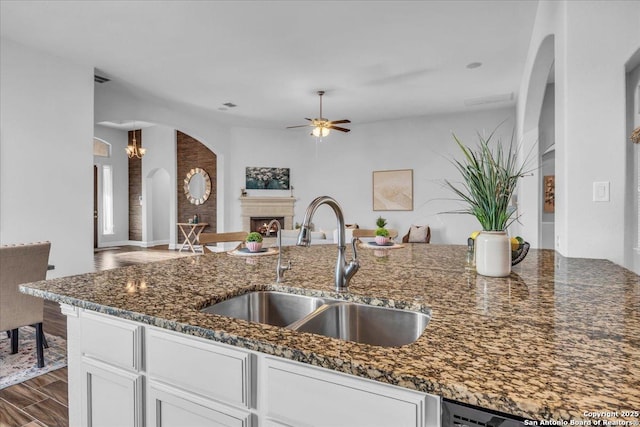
(43, 400)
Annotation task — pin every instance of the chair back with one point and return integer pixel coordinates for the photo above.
(233, 236)
(21, 264)
(421, 231)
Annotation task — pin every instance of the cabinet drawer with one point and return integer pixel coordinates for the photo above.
(200, 366)
(309, 396)
(109, 340)
(172, 408)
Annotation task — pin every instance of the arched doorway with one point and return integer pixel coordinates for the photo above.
(531, 190)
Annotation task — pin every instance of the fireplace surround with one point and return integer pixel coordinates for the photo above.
(267, 207)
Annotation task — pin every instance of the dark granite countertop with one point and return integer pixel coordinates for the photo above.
(558, 338)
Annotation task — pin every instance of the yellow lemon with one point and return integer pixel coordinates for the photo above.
(474, 235)
(515, 244)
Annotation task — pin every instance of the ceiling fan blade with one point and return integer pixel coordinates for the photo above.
(339, 128)
(299, 126)
(336, 122)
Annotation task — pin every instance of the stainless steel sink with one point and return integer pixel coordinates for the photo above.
(272, 308)
(367, 324)
(362, 323)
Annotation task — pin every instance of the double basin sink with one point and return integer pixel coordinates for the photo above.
(362, 323)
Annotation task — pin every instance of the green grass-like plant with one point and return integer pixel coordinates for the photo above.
(381, 222)
(489, 180)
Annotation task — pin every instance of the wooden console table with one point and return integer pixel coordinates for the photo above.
(191, 233)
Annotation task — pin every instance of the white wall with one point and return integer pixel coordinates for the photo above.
(160, 222)
(632, 211)
(593, 40)
(119, 162)
(159, 160)
(46, 155)
(343, 164)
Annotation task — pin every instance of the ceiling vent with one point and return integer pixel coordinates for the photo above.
(494, 99)
(229, 104)
(100, 79)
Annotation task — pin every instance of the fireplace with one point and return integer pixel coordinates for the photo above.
(265, 209)
(260, 223)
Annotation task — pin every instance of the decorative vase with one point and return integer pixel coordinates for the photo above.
(493, 254)
(382, 240)
(254, 246)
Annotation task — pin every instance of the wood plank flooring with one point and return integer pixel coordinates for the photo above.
(43, 401)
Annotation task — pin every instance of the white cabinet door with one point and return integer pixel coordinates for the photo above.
(301, 395)
(112, 397)
(173, 408)
(215, 371)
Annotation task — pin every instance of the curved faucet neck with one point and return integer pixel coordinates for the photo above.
(344, 272)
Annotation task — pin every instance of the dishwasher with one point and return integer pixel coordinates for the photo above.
(455, 414)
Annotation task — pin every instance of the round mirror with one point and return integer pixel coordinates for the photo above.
(197, 186)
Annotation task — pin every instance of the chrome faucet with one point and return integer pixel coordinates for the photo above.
(344, 271)
(280, 269)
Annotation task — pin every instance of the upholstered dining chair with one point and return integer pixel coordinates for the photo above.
(22, 264)
(363, 232)
(417, 234)
(233, 236)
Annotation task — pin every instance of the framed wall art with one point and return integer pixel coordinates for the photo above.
(262, 178)
(393, 190)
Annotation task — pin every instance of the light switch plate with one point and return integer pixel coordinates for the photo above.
(601, 191)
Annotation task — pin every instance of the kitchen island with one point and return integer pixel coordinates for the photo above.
(559, 339)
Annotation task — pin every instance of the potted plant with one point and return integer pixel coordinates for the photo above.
(489, 179)
(382, 234)
(254, 241)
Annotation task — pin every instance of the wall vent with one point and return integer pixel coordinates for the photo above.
(100, 79)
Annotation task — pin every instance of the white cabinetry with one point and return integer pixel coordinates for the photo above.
(196, 382)
(113, 397)
(300, 395)
(123, 373)
(109, 371)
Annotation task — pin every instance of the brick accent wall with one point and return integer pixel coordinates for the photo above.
(135, 191)
(191, 153)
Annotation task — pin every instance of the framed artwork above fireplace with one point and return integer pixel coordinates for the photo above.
(267, 178)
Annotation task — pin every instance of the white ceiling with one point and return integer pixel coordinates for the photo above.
(376, 60)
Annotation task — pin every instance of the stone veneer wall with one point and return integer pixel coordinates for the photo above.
(191, 153)
(135, 190)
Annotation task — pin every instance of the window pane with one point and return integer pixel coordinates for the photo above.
(107, 200)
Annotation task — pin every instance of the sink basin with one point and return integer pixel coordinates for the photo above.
(270, 307)
(367, 324)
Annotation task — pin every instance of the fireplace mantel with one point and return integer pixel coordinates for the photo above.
(267, 207)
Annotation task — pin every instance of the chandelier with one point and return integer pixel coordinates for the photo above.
(133, 150)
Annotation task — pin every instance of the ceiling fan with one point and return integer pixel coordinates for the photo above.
(322, 126)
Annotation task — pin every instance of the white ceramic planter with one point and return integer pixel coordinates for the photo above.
(382, 240)
(254, 246)
(493, 254)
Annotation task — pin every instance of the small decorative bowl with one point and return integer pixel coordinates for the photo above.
(254, 246)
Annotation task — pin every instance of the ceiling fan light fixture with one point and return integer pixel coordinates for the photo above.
(320, 131)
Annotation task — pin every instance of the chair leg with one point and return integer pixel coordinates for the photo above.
(39, 345)
(14, 341)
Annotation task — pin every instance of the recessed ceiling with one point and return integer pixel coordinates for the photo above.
(376, 60)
